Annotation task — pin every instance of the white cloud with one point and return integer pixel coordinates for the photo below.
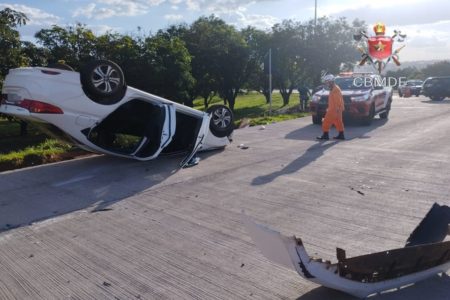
(400, 12)
(104, 9)
(173, 17)
(254, 20)
(102, 29)
(36, 16)
(221, 6)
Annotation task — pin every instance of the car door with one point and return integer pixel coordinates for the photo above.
(199, 140)
(138, 129)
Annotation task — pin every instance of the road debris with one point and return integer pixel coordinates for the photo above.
(424, 255)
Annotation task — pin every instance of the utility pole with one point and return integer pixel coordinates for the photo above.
(270, 81)
(315, 14)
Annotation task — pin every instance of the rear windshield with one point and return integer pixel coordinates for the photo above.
(445, 81)
(414, 82)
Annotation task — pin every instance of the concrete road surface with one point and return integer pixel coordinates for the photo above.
(108, 228)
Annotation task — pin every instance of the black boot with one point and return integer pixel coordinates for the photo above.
(340, 136)
(324, 136)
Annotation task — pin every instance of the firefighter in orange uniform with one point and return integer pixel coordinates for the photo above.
(335, 108)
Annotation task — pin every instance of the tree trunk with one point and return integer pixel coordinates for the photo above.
(266, 94)
(285, 94)
(23, 128)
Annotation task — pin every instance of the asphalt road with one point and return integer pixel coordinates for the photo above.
(108, 228)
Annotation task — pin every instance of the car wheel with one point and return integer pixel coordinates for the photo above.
(103, 81)
(385, 114)
(317, 119)
(368, 120)
(437, 98)
(221, 123)
(400, 94)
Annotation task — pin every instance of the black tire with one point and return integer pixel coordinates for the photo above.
(400, 94)
(437, 98)
(103, 81)
(221, 123)
(60, 66)
(317, 119)
(368, 120)
(385, 114)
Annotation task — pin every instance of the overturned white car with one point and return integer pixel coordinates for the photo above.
(96, 111)
(424, 255)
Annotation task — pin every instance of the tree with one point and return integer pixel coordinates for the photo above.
(258, 42)
(330, 45)
(169, 72)
(287, 57)
(10, 46)
(35, 56)
(220, 58)
(73, 44)
(441, 68)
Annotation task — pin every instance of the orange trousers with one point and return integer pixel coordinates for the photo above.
(332, 119)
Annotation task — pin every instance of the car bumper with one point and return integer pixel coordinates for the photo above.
(352, 110)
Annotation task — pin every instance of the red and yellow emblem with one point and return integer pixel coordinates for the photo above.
(380, 47)
(378, 50)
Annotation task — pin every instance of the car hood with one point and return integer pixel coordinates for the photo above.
(344, 92)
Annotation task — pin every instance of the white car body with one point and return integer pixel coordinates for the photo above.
(54, 96)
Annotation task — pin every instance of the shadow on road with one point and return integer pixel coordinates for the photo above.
(309, 132)
(94, 183)
(310, 155)
(436, 288)
(352, 130)
(435, 102)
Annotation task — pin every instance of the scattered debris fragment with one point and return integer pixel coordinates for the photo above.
(243, 147)
(361, 193)
(424, 255)
(242, 265)
(192, 162)
(106, 283)
(262, 127)
(100, 210)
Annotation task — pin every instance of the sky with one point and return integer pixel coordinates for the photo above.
(426, 23)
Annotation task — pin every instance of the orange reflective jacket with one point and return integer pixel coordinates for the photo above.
(335, 102)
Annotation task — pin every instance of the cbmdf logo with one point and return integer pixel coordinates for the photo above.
(377, 50)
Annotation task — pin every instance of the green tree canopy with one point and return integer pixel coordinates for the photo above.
(10, 45)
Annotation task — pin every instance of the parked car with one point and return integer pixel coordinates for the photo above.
(411, 87)
(98, 112)
(437, 88)
(364, 98)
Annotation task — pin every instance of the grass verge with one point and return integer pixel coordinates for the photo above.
(45, 152)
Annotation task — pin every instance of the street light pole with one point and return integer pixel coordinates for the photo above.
(315, 13)
(270, 81)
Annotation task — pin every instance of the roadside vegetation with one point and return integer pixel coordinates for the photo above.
(33, 148)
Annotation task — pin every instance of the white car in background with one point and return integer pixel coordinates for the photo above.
(96, 111)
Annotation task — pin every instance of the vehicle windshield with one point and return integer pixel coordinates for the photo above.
(414, 82)
(352, 83)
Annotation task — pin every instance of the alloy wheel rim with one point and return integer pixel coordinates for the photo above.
(105, 78)
(222, 118)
